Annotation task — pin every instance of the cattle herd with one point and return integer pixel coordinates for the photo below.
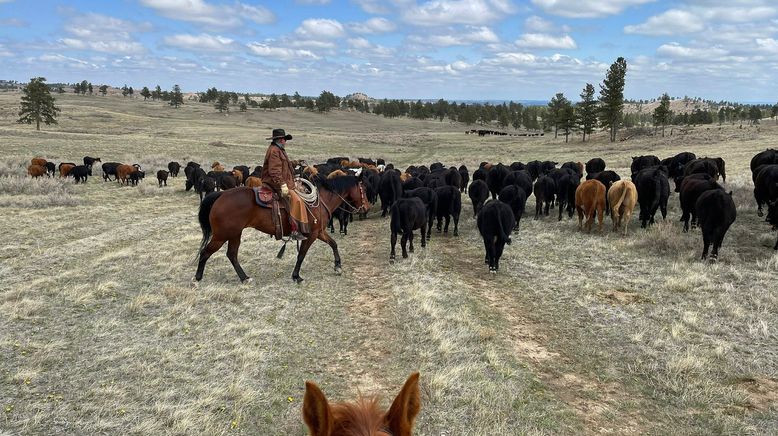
(421, 195)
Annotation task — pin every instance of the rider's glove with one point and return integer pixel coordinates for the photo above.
(284, 190)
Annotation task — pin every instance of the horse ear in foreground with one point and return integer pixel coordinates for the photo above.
(362, 417)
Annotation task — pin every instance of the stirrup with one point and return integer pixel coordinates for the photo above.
(297, 236)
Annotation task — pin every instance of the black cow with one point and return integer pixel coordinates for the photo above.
(772, 218)
(607, 178)
(535, 169)
(691, 188)
(434, 179)
(80, 173)
(408, 214)
(544, 190)
(136, 176)
(437, 166)
(479, 174)
(109, 169)
(653, 192)
(517, 166)
(193, 173)
(412, 183)
(765, 186)
(676, 164)
(244, 170)
(641, 162)
(257, 171)
(495, 178)
(453, 178)
(449, 206)
(173, 168)
(705, 165)
(429, 197)
(495, 222)
(464, 178)
(370, 179)
(478, 193)
(226, 181)
(343, 217)
(767, 157)
(547, 166)
(574, 166)
(204, 184)
(716, 211)
(366, 161)
(90, 161)
(516, 198)
(520, 178)
(565, 193)
(50, 168)
(162, 177)
(594, 166)
(390, 190)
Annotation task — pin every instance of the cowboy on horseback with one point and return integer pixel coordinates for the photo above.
(278, 173)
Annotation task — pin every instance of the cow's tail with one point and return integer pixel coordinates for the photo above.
(396, 195)
(503, 234)
(621, 199)
(657, 193)
(203, 216)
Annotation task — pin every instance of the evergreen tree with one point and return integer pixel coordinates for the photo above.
(274, 103)
(567, 119)
(298, 99)
(285, 101)
(243, 106)
(145, 93)
(223, 102)
(754, 114)
(555, 107)
(84, 87)
(612, 97)
(587, 111)
(156, 94)
(37, 104)
(125, 90)
(90, 88)
(103, 89)
(176, 97)
(327, 101)
(77, 88)
(774, 112)
(131, 91)
(662, 114)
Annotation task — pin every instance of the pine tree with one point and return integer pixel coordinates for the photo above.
(37, 104)
(587, 111)
(176, 97)
(77, 88)
(156, 94)
(754, 115)
(103, 89)
(223, 102)
(90, 88)
(125, 90)
(567, 119)
(662, 114)
(145, 93)
(555, 107)
(612, 97)
(84, 87)
(131, 91)
(243, 106)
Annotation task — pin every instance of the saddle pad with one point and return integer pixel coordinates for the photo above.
(263, 196)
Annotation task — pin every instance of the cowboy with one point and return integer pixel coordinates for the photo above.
(278, 173)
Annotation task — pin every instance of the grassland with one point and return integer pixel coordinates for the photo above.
(100, 332)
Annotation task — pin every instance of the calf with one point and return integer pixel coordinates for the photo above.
(217, 166)
(243, 170)
(51, 169)
(516, 198)
(544, 190)
(653, 192)
(565, 193)
(65, 168)
(123, 172)
(38, 161)
(90, 161)
(547, 166)
(205, 185)
(343, 217)
(716, 212)
(408, 214)
(590, 200)
(464, 176)
(80, 173)
(109, 169)
(495, 222)
(641, 162)
(429, 197)
(36, 171)
(765, 186)
(622, 196)
(136, 176)
(173, 167)
(454, 179)
(449, 206)
(594, 166)
(691, 189)
(226, 181)
(192, 171)
(162, 177)
(478, 193)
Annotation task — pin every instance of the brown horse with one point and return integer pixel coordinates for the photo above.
(363, 417)
(223, 216)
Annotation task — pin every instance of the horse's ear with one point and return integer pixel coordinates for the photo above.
(316, 411)
(405, 407)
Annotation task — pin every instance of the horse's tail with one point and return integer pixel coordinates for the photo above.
(205, 223)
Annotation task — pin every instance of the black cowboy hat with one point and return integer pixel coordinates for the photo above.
(279, 133)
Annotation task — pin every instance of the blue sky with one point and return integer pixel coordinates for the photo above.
(454, 49)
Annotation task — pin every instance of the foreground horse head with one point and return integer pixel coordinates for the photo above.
(349, 189)
(362, 418)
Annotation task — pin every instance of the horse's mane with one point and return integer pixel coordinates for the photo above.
(362, 417)
(336, 184)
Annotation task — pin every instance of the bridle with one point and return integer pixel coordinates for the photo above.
(363, 198)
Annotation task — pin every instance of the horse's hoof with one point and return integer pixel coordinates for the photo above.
(297, 280)
(247, 281)
(338, 270)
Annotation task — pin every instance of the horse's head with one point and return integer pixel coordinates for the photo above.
(357, 197)
(362, 417)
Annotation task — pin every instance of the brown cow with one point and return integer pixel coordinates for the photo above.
(36, 170)
(590, 199)
(64, 169)
(336, 173)
(622, 196)
(216, 166)
(253, 182)
(404, 177)
(39, 161)
(238, 174)
(123, 172)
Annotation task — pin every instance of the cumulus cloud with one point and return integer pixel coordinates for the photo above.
(373, 25)
(280, 53)
(545, 41)
(701, 15)
(465, 36)
(314, 28)
(372, 6)
(201, 42)
(446, 12)
(63, 60)
(678, 51)
(586, 8)
(219, 16)
(102, 33)
(671, 22)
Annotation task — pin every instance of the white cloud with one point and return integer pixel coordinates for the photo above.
(769, 45)
(538, 24)
(13, 22)
(372, 6)
(4, 52)
(373, 25)
(117, 47)
(678, 51)
(63, 60)
(312, 2)
(544, 41)
(671, 22)
(200, 42)
(358, 43)
(468, 35)
(445, 12)
(102, 33)
(280, 53)
(586, 8)
(321, 28)
(218, 16)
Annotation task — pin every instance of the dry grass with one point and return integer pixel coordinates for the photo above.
(101, 333)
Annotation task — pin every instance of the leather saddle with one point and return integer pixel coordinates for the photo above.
(267, 198)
